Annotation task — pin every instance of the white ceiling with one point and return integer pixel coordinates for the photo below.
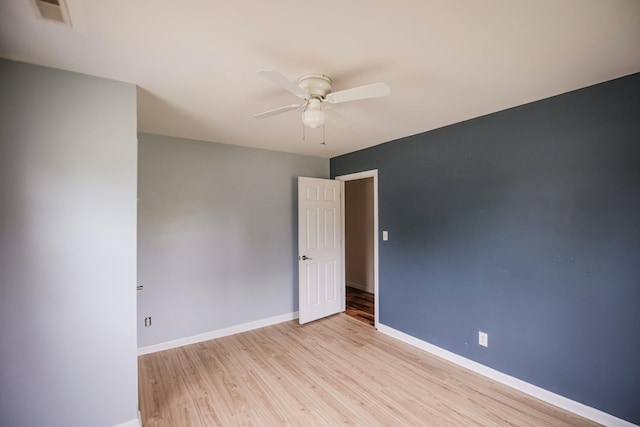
(195, 61)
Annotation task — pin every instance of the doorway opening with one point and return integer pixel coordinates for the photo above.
(360, 221)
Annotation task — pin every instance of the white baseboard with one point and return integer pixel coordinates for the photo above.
(360, 286)
(530, 389)
(219, 333)
(136, 422)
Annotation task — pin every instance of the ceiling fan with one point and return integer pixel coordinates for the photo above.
(315, 89)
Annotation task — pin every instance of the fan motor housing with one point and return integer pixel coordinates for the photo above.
(317, 85)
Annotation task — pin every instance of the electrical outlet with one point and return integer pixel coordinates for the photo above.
(147, 321)
(483, 339)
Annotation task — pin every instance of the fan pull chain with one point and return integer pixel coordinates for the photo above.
(303, 126)
(323, 143)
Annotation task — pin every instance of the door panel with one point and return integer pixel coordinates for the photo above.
(321, 288)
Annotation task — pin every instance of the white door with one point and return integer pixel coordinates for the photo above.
(321, 284)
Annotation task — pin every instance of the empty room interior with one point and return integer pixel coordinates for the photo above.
(301, 213)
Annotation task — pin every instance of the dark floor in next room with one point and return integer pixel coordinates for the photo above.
(360, 305)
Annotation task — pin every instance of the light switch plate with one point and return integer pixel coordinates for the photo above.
(385, 235)
(483, 339)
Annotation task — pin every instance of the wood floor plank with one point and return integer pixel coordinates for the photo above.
(334, 371)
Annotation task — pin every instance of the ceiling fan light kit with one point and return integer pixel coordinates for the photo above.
(315, 89)
(313, 116)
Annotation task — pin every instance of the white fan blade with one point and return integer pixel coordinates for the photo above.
(374, 90)
(275, 111)
(280, 80)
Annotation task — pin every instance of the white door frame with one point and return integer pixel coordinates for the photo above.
(351, 177)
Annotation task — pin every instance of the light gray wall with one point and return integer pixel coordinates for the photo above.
(217, 237)
(67, 249)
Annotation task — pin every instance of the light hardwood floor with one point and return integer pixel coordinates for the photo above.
(335, 371)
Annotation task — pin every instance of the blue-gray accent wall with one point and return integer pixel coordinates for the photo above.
(524, 224)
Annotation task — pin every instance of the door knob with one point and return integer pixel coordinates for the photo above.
(304, 258)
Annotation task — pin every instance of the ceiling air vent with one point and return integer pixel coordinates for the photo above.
(53, 10)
